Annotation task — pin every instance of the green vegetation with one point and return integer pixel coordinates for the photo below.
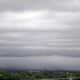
(36, 75)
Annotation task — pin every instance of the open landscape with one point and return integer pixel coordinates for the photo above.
(39, 75)
(39, 39)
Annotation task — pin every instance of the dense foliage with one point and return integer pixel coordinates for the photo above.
(36, 75)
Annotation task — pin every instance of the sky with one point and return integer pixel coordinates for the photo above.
(21, 5)
(40, 32)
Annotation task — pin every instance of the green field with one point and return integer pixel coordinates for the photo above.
(37, 75)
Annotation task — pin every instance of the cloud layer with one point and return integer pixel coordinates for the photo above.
(53, 63)
(41, 39)
(19, 5)
(49, 33)
(38, 20)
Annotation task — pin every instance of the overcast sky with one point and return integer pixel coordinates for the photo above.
(40, 34)
(14, 5)
(39, 14)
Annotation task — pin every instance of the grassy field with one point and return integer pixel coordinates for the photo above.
(37, 75)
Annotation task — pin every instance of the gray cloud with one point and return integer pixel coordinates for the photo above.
(24, 4)
(38, 20)
(59, 38)
(40, 34)
(40, 63)
(21, 44)
(65, 5)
